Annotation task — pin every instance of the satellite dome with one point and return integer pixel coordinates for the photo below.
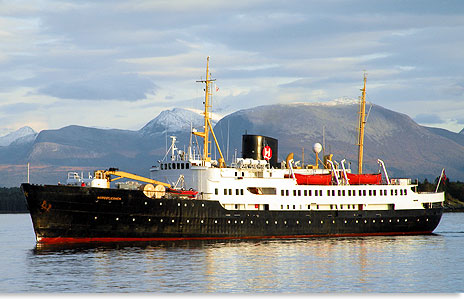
(317, 148)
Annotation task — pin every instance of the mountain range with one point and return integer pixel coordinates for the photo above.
(408, 149)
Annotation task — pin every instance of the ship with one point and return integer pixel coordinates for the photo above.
(191, 196)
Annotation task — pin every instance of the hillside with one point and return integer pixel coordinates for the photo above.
(407, 148)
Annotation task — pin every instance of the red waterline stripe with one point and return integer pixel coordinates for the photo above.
(62, 240)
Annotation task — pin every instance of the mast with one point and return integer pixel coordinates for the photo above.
(362, 124)
(207, 120)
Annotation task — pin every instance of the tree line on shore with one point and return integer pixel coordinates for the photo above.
(12, 199)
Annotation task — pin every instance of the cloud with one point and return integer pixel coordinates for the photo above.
(125, 87)
(428, 119)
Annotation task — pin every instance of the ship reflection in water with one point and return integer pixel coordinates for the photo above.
(366, 264)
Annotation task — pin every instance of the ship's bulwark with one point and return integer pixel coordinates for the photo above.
(62, 214)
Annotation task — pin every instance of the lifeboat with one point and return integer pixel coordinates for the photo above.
(180, 192)
(313, 179)
(364, 179)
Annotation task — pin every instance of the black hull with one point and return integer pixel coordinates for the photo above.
(64, 214)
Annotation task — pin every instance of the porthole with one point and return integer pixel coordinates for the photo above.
(228, 221)
(133, 219)
(275, 222)
(215, 221)
(390, 221)
(333, 221)
(427, 219)
(179, 204)
(96, 217)
(345, 221)
(251, 221)
(398, 220)
(357, 221)
(202, 205)
(150, 220)
(241, 222)
(381, 220)
(187, 221)
(365, 221)
(185, 204)
(373, 221)
(202, 221)
(285, 222)
(267, 222)
(145, 203)
(309, 222)
(297, 222)
(321, 222)
(172, 220)
(161, 220)
(117, 219)
(161, 203)
(406, 220)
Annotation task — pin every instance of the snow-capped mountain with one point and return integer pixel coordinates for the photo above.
(175, 120)
(408, 149)
(22, 135)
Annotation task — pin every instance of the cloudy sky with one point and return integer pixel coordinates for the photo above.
(118, 64)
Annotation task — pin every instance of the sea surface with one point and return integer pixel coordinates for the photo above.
(389, 264)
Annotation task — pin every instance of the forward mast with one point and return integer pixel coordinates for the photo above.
(206, 155)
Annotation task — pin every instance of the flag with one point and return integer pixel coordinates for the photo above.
(216, 88)
(444, 177)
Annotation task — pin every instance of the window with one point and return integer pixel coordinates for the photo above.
(380, 192)
(404, 191)
(295, 191)
(360, 192)
(241, 191)
(320, 192)
(316, 192)
(370, 192)
(282, 192)
(293, 207)
(385, 192)
(187, 165)
(309, 192)
(354, 192)
(216, 191)
(401, 191)
(236, 191)
(349, 192)
(305, 192)
(235, 173)
(332, 192)
(229, 191)
(287, 192)
(225, 191)
(282, 207)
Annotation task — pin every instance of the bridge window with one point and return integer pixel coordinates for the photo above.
(216, 191)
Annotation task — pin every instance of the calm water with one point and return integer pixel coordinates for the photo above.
(417, 264)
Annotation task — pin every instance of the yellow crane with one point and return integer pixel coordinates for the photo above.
(149, 190)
